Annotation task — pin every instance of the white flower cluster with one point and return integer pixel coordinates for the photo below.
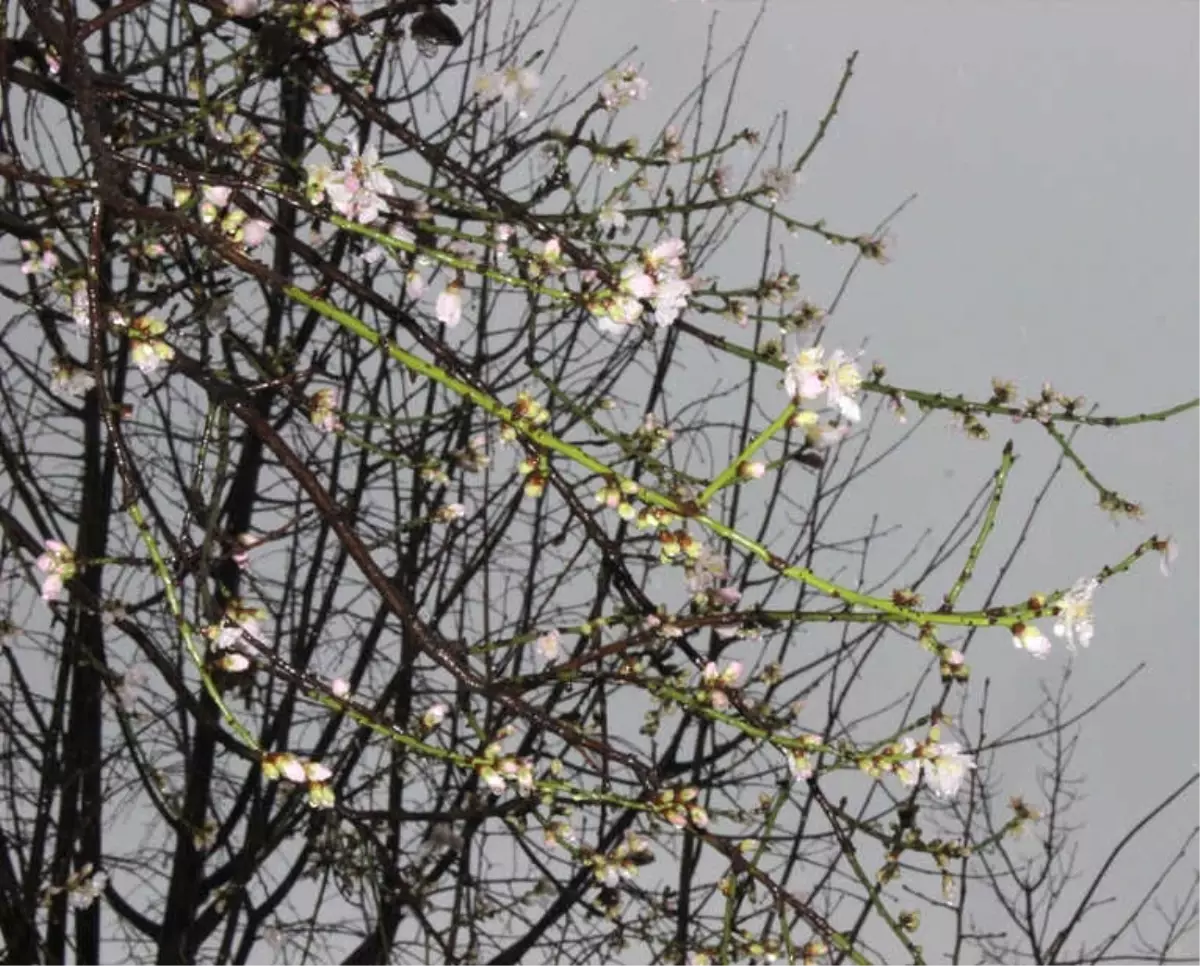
(810, 375)
(622, 87)
(657, 277)
(943, 766)
(236, 636)
(301, 771)
(1075, 621)
(513, 86)
(356, 190)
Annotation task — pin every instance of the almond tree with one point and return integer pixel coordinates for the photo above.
(415, 551)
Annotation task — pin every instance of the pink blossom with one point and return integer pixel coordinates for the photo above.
(804, 378)
(255, 232)
(58, 564)
(358, 189)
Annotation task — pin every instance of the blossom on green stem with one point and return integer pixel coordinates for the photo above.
(1029, 638)
(1169, 550)
(149, 350)
(1075, 621)
(943, 766)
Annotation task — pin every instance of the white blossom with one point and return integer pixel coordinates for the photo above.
(450, 305)
(513, 85)
(1029, 638)
(1075, 621)
(71, 380)
(943, 766)
(803, 377)
(612, 216)
(548, 646)
(622, 87)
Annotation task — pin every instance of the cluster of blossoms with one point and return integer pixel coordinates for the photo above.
(357, 190)
(1075, 621)
(663, 627)
(615, 494)
(623, 861)
(69, 379)
(310, 20)
(715, 682)
(59, 566)
(943, 766)
(708, 581)
(41, 256)
(496, 769)
(300, 771)
(513, 86)
(527, 414)
(799, 760)
(229, 638)
(80, 311)
(548, 259)
(651, 436)
(149, 349)
(681, 806)
(809, 375)
(215, 209)
(623, 86)
(82, 889)
(536, 472)
(316, 19)
(657, 276)
(679, 543)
